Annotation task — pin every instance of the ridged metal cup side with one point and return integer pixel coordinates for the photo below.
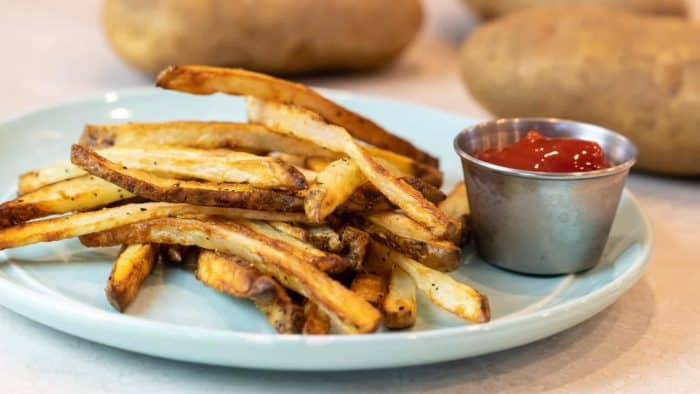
(538, 222)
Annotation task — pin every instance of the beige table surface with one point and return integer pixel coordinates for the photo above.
(649, 341)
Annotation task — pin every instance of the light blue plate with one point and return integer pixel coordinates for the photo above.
(61, 284)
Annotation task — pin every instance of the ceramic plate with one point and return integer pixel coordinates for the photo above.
(61, 284)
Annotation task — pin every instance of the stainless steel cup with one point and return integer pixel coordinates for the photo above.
(538, 222)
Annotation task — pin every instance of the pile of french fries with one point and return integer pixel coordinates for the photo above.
(321, 218)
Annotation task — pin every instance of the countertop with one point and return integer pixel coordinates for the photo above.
(646, 342)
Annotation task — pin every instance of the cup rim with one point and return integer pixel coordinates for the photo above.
(618, 168)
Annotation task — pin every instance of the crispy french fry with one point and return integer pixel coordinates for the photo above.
(410, 238)
(399, 305)
(198, 134)
(443, 291)
(333, 186)
(405, 166)
(214, 165)
(131, 267)
(78, 194)
(208, 80)
(348, 311)
(310, 126)
(456, 206)
(317, 163)
(297, 232)
(355, 243)
(237, 278)
(159, 188)
(371, 287)
(316, 321)
(324, 261)
(325, 238)
(78, 224)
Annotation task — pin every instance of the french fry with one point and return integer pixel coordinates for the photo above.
(310, 126)
(443, 291)
(208, 80)
(316, 321)
(237, 278)
(215, 165)
(158, 188)
(333, 186)
(78, 194)
(371, 287)
(410, 238)
(324, 261)
(78, 224)
(317, 163)
(399, 305)
(405, 166)
(456, 206)
(347, 310)
(325, 238)
(299, 233)
(130, 269)
(239, 136)
(355, 243)
(198, 134)
(35, 179)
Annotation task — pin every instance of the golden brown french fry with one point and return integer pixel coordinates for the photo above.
(312, 127)
(316, 322)
(78, 194)
(355, 244)
(325, 238)
(410, 238)
(198, 134)
(299, 233)
(405, 166)
(216, 165)
(78, 224)
(324, 261)
(208, 80)
(237, 278)
(456, 206)
(154, 187)
(371, 287)
(350, 242)
(332, 187)
(443, 291)
(347, 310)
(399, 305)
(317, 163)
(131, 267)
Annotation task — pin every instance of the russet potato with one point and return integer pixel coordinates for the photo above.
(638, 75)
(494, 8)
(274, 36)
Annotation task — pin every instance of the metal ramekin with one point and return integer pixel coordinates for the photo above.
(539, 222)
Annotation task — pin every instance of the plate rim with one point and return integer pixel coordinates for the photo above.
(40, 300)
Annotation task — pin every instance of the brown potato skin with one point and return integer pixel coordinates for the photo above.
(637, 75)
(489, 9)
(273, 36)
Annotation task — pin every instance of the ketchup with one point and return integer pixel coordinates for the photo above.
(536, 152)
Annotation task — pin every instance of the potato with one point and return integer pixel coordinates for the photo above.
(274, 36)
(494, 8)
(637, 75)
